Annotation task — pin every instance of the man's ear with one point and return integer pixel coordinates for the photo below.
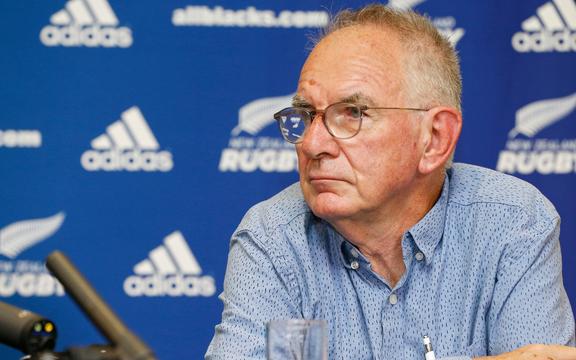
(443, 126)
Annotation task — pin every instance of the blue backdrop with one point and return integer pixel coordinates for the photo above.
(135, 134)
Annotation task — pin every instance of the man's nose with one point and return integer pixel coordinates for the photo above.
(317, 140)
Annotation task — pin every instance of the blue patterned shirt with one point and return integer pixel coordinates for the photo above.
(483, 276)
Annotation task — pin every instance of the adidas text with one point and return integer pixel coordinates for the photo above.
(90, 36)
(171, 269)
(169, 285)
(116, 160)
(551, 28)
(545, 41)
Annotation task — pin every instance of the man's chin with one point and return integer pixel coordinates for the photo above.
(328, 206)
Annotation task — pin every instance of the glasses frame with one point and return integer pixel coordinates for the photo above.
(312, 114)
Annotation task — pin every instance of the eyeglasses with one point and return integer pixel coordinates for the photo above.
(342, 120)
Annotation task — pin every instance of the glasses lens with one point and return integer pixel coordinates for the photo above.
(343, 120)
(292, 122)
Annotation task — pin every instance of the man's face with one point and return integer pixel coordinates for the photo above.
(368, 175)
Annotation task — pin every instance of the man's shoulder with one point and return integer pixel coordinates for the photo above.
(471, 184)
(281, 209)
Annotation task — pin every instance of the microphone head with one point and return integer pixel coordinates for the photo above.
(38, 335)
(25, 330)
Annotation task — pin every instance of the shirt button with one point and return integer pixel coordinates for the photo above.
(354, 265)
(393, 299)
(419, 256)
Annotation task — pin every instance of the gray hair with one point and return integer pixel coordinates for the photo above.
(433, 72)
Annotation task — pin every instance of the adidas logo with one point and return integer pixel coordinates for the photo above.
(128, 144)
(553, 28)
(170, 270)
(251, 153)
(90, 23)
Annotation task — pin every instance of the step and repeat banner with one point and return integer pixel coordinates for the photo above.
(135, 134)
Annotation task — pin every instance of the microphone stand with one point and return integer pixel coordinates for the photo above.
(124, 345)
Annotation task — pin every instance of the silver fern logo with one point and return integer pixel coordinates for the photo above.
(21, 235)
(534, 117)
(531, 153)
(248, 149)
(25, 277)
(258, 114)
(446, 25)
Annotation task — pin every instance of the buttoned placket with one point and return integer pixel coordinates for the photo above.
(393, 307)
(386, 338)
(367, 287)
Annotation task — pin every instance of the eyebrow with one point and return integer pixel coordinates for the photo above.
(298, 101)
(356, 98)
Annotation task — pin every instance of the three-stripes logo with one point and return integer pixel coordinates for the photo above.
(90, 23)
(128, 144)
(170, 270)
(553, 28)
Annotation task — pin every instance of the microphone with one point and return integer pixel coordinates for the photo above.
(26, 331)
(127, 345)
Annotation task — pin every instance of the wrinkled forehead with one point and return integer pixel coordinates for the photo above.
(364, 59)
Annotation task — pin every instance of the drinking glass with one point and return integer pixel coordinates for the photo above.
(297, 339)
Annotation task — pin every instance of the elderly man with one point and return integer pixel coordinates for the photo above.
(383, 238)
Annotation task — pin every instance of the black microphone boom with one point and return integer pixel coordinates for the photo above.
(25, 331)
(127, 345)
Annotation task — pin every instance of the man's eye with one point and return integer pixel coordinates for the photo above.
(352, 111)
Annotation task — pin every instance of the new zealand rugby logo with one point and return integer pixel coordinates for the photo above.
(27, 277)
(530, 154)
(248, 150)
(21, 235)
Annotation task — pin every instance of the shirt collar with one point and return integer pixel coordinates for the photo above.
(428, 232)
(340, 246)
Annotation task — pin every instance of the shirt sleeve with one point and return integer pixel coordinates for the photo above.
(529, 303)
(256, 290)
